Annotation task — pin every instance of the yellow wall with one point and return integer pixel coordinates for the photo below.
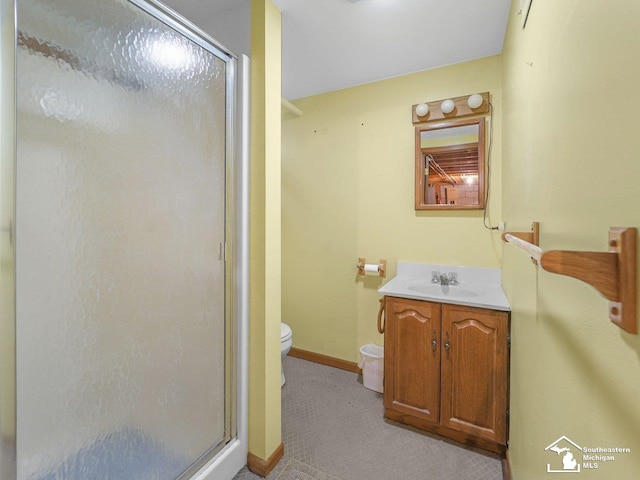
(348, 192)
(571, 162)
(265, 233)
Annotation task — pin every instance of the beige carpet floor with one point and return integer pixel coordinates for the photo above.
(333, 429)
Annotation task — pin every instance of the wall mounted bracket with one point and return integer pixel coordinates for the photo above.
(532, 237)
(612, 273)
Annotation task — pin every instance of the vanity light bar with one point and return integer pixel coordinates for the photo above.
(461, 108)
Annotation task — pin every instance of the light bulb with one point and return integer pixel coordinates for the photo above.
(475, 100)
(422, 109)
(447, 106)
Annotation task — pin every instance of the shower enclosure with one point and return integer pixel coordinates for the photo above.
(122, 250)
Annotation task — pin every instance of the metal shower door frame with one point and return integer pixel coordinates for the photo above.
(234, 451)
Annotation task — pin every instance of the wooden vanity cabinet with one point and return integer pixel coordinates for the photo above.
(447, 370)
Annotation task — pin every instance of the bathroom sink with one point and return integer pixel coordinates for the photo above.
(445, 290)
(477, 287)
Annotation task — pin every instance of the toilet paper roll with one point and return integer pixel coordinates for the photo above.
(368, 267)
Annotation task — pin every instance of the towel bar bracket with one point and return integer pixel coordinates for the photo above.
(623, 312)
(532, 237)
(612, 273)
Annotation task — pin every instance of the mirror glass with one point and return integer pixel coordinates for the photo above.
(450, 165)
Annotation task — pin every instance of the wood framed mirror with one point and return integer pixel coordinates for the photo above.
(449, 165)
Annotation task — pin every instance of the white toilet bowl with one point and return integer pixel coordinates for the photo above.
(286, 340)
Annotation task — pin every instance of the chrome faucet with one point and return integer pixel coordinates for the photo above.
(443, 278)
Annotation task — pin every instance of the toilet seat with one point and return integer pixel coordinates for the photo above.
(286, 342)
(285, 332)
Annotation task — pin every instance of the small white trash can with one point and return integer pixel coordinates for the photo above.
(372, 365)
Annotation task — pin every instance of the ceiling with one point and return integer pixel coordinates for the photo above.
(333, 44)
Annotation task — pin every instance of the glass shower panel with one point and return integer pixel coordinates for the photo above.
(7, 264)
(120, 228)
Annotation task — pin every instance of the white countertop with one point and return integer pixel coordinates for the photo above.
(477, 287)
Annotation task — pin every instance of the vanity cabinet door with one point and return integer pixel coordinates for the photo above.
(475, 371)
(412, 358)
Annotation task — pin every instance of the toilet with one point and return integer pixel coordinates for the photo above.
(286, 340)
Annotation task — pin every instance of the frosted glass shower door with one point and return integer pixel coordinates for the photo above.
(123, 332)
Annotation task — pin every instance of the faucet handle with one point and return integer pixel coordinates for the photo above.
(435, 276)
(453, 278)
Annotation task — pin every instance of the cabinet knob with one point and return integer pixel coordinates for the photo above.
(447, 344)
(434, 342)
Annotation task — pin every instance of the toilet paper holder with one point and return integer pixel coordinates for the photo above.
(364, 268)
